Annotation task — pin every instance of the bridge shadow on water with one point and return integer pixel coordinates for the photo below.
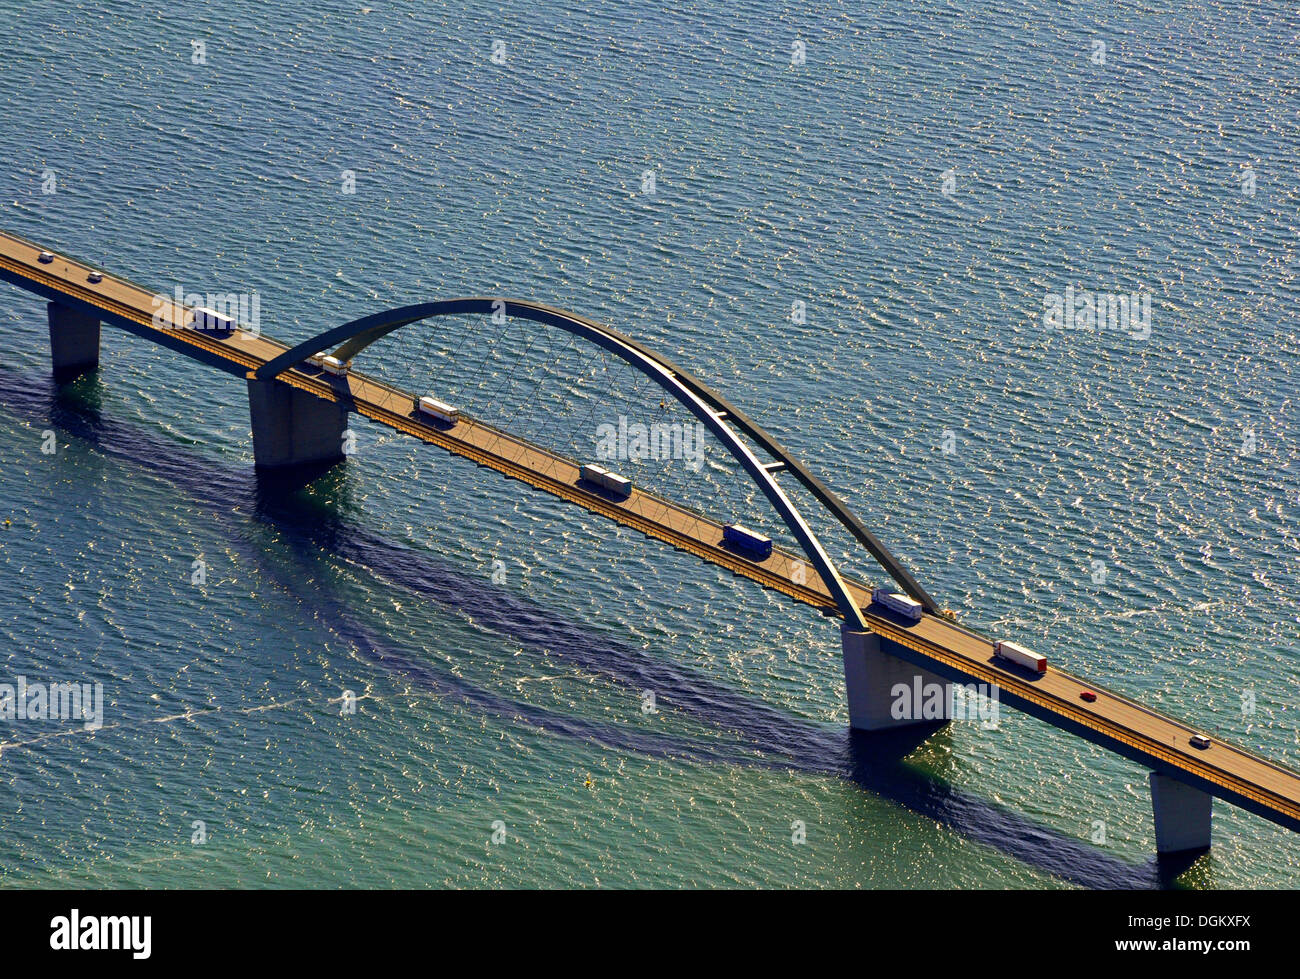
(763, 735)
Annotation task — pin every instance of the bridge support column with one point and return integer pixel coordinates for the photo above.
(292, 427)
(1182, 815)
(886, 691)
(74, 342)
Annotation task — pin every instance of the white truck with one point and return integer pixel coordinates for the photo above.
(210, 321)
(439, 410)
(898, 603)
(330, 365)
(606, 480)
(1015, 653)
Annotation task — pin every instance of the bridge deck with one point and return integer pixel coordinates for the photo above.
(936, 644)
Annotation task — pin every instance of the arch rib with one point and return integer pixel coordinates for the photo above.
(701, 401)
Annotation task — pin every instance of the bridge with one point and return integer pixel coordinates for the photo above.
(299, 416)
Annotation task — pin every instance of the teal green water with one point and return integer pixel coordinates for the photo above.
(518, 702)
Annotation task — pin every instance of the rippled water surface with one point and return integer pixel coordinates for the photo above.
(1127, 505)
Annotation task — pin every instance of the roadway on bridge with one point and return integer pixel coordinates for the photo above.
(1113, 721)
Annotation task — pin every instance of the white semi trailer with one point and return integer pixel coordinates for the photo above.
(1021, 656)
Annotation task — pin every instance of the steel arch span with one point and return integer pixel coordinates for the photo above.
(715, 412)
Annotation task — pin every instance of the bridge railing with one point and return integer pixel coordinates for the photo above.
(74, 258)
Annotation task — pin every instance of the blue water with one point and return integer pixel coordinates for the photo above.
(520, 700)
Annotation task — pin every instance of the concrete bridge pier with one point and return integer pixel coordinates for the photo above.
(292, 427)
(885, 691)
(1182, 815)
(74, 342)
